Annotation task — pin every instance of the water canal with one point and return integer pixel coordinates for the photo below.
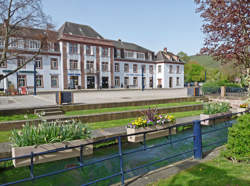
(109, 167)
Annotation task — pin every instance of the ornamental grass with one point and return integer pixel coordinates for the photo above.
(49, 132)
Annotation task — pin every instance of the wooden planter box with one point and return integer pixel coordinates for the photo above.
(71, 153)
(240, 110)
(218, 120)
(151, 135)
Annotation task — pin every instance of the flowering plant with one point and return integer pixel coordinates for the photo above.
(244, 105)
(158, 119)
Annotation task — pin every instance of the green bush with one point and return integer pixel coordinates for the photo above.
(238, 145)
(48, 132)
(214, 108)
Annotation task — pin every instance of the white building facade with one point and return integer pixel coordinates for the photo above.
(85, 60)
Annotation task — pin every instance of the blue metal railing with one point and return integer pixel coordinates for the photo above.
(197, 151)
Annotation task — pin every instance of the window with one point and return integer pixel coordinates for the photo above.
(13, 42)
(1, 42)
(39, 63)
(54, 81)
(39, 81)
(170, 69)
(105, 66)
(118, 53)
(90, 66)
(134, 68)
(54, 63)
(140, 55)
(21, 80)
(89, 50)
(177, 81)
(178, 70)
(117, 67)
(117, 81)
(151, 69)
(150, 57)
(73, 64)
(56, 47)
(104, 52)
(3, 64)
(143, 67)
(129, 54)
(126, 67)
(135, 81)
(73, 49)
(33, 44)
(20, 62)
(159, 68)
(126, 81)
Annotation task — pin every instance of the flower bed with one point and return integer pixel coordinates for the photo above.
(150, 121)
(212, 110)
(49, 136)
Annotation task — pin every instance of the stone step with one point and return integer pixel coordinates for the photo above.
(50, 113)
(47, 110)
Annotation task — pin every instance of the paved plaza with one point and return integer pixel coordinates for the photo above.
(91, 97)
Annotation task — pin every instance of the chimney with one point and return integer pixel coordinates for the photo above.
(165, 50)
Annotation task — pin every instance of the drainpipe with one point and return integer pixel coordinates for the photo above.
(142, 79)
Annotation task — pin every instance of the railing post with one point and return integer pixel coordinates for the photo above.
(81, 155)
(32, 165)
(197, 140)
(144, 141)
(121, 159)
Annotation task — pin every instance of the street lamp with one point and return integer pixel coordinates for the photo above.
(34, 78)
(142, 78)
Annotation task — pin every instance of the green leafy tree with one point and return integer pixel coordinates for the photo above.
(183, 56)
(194, 72)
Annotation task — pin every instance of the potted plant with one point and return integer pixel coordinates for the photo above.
(216, 109)
(49, 136)
(243, 107)
(150, 121)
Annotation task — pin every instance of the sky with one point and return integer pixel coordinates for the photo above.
(153, 24)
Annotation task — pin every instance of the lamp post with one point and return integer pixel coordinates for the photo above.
(34, 78)
(142, 78)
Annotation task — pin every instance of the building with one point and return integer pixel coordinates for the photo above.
(80, 58)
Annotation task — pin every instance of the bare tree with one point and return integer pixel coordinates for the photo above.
(22, 20)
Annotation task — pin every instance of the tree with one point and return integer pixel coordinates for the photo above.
(226, 26)
(194, 72)
(183, 56)
(18, 18)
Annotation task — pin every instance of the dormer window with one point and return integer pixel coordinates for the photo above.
(129, 54)
(118, 53)
(140, 56)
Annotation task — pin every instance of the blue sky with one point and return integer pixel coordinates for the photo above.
(153, 24)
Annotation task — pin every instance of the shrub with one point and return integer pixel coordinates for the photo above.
(238, 144)
(48, 132)
(214, 108)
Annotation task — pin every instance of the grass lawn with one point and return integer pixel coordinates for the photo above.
(119, 109)
(122, 122)
(18, 117)
(4, 136)
(219, 171)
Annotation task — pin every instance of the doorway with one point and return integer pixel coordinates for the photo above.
(90, 82)
(73, 82)
(170, 82)
(105, 82)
